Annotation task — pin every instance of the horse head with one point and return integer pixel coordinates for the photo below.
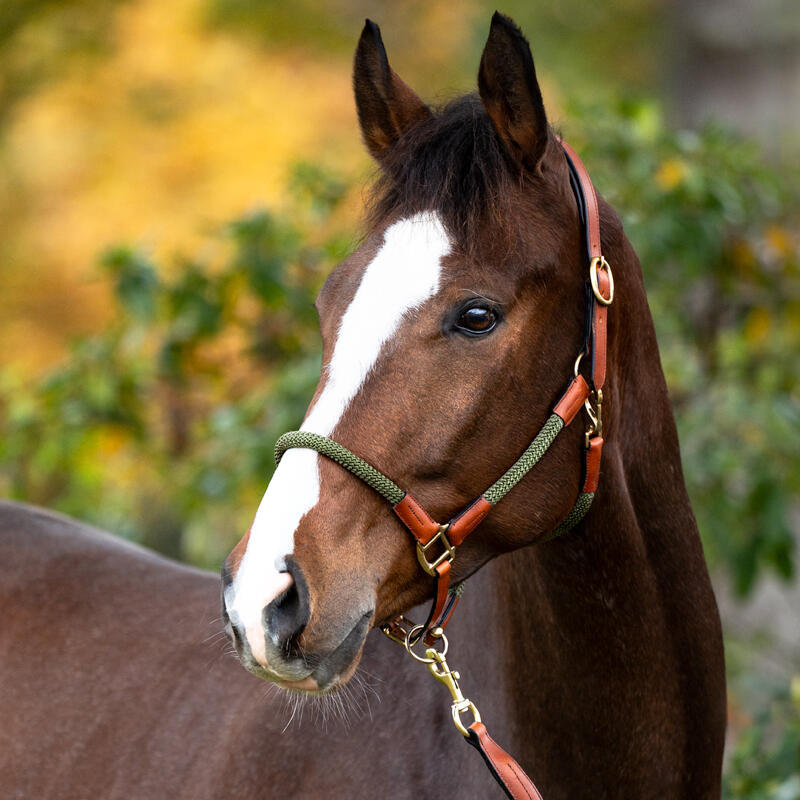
(447, 337)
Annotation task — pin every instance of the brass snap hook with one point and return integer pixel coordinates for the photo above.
(595, 415)
(440, 670)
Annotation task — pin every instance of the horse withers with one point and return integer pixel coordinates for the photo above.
(447, 338)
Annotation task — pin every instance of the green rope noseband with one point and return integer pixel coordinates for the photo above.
(394, 494)
(341, 455)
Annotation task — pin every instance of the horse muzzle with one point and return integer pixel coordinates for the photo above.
(277, 644)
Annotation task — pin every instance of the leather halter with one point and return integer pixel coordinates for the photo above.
(437, 543)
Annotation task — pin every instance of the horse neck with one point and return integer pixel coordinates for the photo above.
(614, 625)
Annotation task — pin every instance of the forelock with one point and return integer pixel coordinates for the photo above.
(452, 163)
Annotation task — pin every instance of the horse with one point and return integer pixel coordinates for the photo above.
(595, 656)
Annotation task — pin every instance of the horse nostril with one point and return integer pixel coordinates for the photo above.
(286, 616)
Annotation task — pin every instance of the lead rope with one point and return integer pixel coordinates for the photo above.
(429, 533)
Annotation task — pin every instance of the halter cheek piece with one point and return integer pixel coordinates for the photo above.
(437, 543)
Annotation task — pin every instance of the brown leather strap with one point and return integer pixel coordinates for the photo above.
(469, 519)
(599, 331)
(452, 602)
(510, 775)
(572, 400)
(600, 311)
(422, 526)
(590, 197)
(441, 590)
(593, 453)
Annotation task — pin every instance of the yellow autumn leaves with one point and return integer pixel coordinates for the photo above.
(178, 128)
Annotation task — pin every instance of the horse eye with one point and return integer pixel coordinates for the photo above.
(476, 319)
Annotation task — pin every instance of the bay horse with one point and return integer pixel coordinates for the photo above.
(596, 657)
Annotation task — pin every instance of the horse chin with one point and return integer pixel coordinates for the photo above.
(325, 674)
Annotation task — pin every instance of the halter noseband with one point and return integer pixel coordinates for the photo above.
(437, 543)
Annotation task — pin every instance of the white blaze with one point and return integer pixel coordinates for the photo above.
(404, 273)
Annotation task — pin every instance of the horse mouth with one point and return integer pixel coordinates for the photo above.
(323, 674)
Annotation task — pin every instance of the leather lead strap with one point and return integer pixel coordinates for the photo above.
(506, 771)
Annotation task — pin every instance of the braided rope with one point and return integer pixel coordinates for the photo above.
(523, 465)
(341, 455)
(578, 512)
(390, 490)
(394, 494)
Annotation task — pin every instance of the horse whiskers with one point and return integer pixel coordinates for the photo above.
(214, 637)
(348, 703)
(364, 685)
(295, 701)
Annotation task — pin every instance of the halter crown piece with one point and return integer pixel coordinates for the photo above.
(437, 543)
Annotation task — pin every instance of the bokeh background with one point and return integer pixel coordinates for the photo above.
(176, 179)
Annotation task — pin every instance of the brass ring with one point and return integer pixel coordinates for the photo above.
(410, 642)
(457, 712)
(603, 264)
(578, 360)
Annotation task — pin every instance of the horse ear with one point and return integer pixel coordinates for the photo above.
(511, 95)
(387, 107)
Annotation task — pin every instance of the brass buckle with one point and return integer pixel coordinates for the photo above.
(398, 629)
(601, 263)
(448, 554)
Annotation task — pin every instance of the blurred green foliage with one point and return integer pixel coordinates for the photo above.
(161, 427)
(765, 762)
(635, 31)
(38, 37)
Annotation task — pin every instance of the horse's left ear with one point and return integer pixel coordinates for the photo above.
(511, 95)
(387, 106)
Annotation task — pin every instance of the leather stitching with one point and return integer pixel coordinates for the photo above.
(515, 769)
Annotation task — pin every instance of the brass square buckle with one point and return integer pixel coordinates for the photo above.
(448, 554)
